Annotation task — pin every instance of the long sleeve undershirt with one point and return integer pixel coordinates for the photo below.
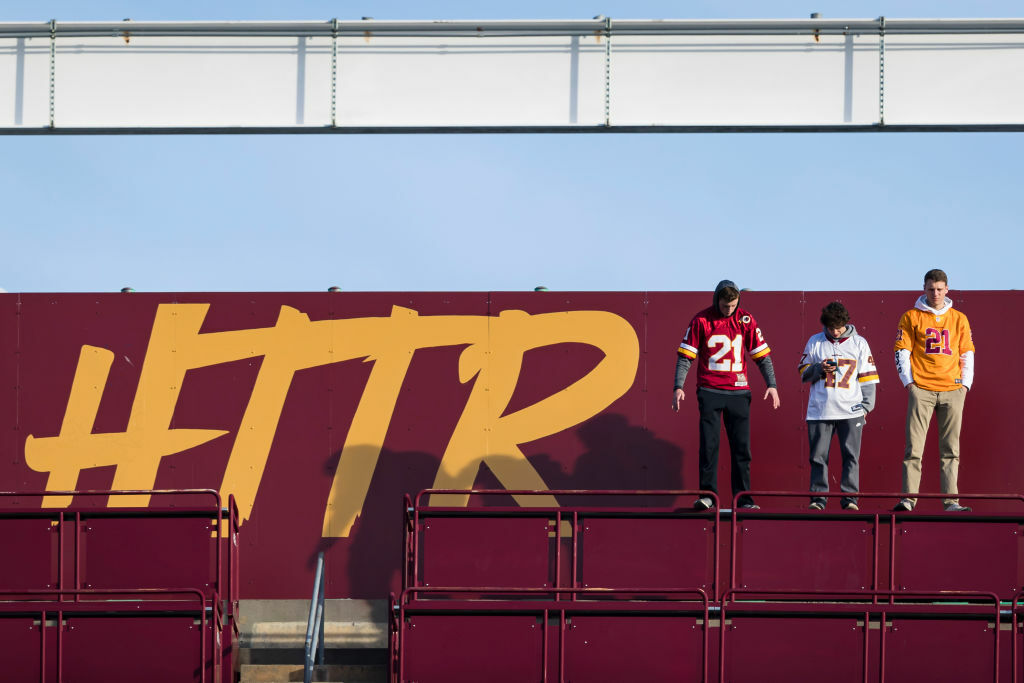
(763, 364)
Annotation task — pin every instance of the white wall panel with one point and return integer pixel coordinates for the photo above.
(745, 80)
(24, 82)
(451, 76)
(217, 81)
(954, 79)
(533, 81)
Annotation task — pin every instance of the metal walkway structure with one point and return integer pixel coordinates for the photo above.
(636, 585)
(599, 75)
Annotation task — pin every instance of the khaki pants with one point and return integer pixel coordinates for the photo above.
(949, 406)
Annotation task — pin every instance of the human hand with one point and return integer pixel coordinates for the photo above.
(775, 397)
(677, 399)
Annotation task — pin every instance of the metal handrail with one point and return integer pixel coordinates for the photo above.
(506, 28)
(873, 494)
(417, 503)
(25, 597)
(219, 512)
(883, 609)
(893, 516)
(414, 507)
(405, 602)
(1014, 621)
(315, 625)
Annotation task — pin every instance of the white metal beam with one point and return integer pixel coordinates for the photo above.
(512, 76)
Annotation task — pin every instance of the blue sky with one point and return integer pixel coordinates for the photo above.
(507, 212)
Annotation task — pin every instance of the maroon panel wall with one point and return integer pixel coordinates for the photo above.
(636, 441)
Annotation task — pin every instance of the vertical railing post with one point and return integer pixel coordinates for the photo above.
(314, 626)
(321, 616)
(42, 646)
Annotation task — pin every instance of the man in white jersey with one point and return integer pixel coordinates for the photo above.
(838, 365)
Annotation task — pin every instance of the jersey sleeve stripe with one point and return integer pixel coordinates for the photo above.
(760, 351)
(802, 368)
(686, 351)
(866, 379)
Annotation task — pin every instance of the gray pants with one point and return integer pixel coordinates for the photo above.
(819, 434)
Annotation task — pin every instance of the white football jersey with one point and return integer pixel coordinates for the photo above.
(838, 395)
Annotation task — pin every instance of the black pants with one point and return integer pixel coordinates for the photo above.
(734, 408)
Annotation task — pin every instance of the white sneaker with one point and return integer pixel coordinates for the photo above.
(957, 507)
(703, 503)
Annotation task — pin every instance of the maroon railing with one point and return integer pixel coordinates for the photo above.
(546, 607)
(119, 597)
(414, 509)
(217, 512)
(926, 611)
(60, 607)
(893, 517)
(857, 600)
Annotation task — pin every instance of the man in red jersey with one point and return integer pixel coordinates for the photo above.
(716, 339)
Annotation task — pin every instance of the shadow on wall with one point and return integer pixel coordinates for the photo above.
(625, 456)
(372, 553)
(617, 455)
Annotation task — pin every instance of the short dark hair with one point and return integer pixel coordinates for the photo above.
(834, 315)
(728, 294)
(936, 275)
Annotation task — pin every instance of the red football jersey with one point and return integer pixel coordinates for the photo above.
(717, 344)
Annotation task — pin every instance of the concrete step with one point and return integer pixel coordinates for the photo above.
(276, 624)
(328, 673)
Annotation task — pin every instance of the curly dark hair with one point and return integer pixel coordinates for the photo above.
(834, 315)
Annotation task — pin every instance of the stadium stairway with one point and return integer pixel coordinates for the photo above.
(272, 638)
(328, 673)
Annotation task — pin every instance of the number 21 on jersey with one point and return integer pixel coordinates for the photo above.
(937, 342)
(720, 359)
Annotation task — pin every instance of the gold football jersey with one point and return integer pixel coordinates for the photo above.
(935, 341)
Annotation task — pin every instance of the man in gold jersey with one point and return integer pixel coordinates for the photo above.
(935, 362)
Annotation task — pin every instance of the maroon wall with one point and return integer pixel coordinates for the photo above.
(635, 442)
